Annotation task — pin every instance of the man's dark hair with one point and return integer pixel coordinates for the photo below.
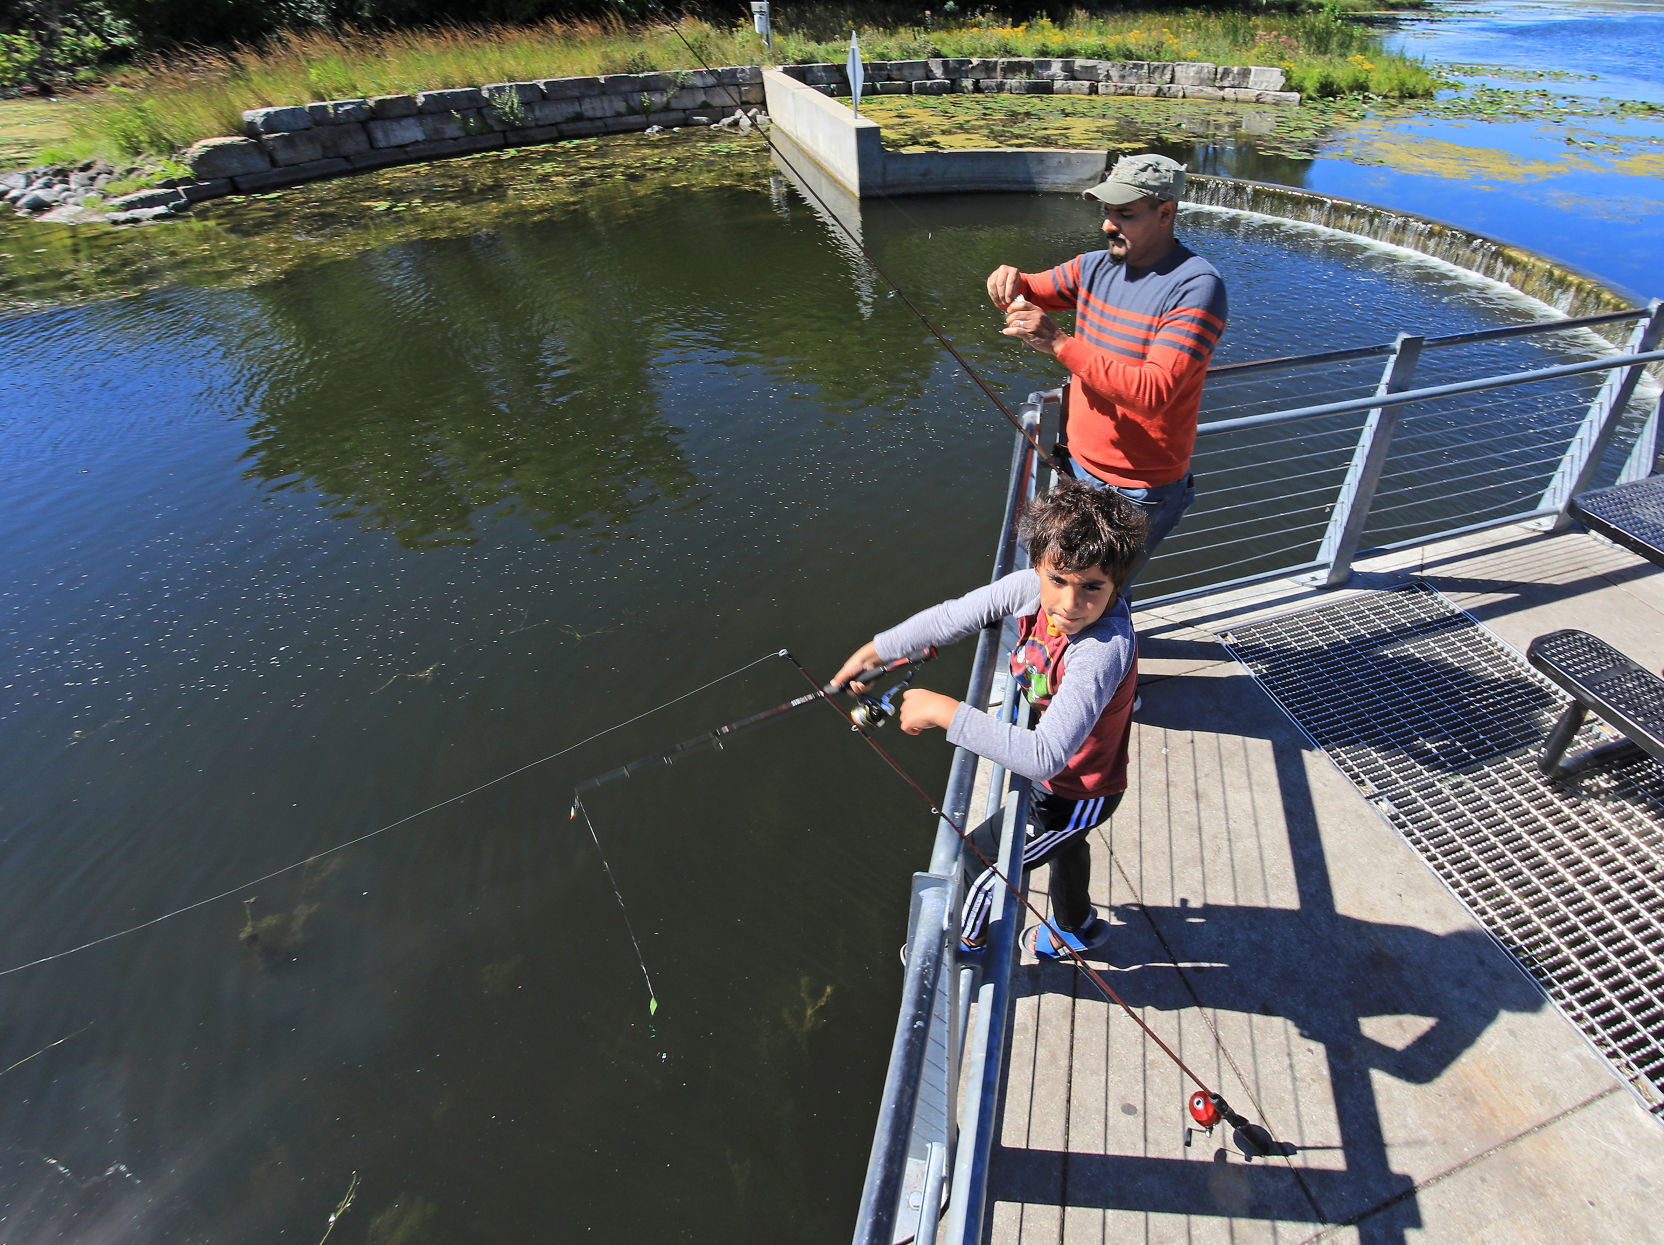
(1080, 528)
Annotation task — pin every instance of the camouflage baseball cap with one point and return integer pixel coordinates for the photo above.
(1141, 177)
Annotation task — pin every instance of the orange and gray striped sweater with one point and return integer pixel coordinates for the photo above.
(1139, 354)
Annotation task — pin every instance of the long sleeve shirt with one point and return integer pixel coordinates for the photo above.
(1143, 338)
(1079, 747)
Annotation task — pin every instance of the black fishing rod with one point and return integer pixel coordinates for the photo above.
(872, 709)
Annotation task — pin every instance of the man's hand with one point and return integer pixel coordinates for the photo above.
(1003, 284)
(1033, 327)
(863, 658)
(920, 709)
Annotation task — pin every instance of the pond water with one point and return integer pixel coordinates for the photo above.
(1605, 47)
(319, 516)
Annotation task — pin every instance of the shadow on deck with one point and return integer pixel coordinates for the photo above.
(1270, 925)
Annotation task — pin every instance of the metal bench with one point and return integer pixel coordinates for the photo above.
(1602, 680)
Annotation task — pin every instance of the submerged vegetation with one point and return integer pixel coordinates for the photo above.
(161, 105)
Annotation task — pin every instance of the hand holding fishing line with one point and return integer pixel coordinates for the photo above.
(1033, 327)
(1004, 284)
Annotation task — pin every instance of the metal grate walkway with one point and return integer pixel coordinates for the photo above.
(1438, 722)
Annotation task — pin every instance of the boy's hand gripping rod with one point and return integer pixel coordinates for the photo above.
(870, 711)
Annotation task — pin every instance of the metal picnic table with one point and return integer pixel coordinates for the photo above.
(1597, 676)
(1631, 515)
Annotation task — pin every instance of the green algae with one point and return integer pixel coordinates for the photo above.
(246, 240)
(1360, 129)
(1128, 123)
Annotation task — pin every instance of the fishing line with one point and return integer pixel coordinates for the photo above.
(652, 997)
(714, 739)
(392, 825)
(66, 1037)
(1080, 962)
(860, 246)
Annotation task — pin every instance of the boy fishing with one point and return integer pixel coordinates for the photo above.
(1076, 660)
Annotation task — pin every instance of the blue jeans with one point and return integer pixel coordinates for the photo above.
(1164, 505)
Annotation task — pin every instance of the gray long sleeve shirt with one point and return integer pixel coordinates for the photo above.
(1099, 659)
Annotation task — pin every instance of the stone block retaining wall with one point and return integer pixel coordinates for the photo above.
(1249, 84)
(285, 146)
(282, 146)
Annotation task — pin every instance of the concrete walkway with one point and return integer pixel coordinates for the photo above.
(1273, 929)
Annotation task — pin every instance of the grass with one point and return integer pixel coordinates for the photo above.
(29, 126)
(158, 108)
(1321, 53)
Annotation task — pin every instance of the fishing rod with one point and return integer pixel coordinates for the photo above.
(855, 241)
(871, 711)
(1207, 1106)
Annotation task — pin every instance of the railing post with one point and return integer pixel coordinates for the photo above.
(883, 1193)
(1638, 466)
(1582, 458)
(1369, 458)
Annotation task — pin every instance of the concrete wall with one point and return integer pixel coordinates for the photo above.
(850, 151)
(846, 146)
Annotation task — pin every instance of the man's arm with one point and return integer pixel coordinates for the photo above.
(1180, 346)
(1054, 290)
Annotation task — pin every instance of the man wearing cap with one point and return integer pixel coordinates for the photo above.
(1148, 312)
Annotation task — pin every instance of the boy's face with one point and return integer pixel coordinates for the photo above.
(1073, 600)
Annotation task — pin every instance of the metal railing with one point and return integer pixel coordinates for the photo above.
(1390, 449)
(1292, 481)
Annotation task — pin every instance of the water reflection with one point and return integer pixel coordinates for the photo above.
(279, 574)
(440, 384)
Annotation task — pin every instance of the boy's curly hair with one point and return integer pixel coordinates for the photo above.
(1079, 528)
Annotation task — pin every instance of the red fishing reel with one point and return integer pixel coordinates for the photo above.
(1204, 1110)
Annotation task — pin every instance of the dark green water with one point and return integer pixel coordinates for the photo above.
(315, 519)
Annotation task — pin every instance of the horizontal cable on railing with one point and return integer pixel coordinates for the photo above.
(1443, 341)
(1527, 439)
(1565, 415)
(1265, 464)
(1248, 393)
(1544, 327)
(1400, 459)
(1469, 479)
(1471, 509)
(1292, 361)
(1258, 502)
(1299, 366)
(1422, 423)
(1345, 435)
(1526, 472)
(1408, 396)
(1252, 537)
(1226, 481)
(1338, 441)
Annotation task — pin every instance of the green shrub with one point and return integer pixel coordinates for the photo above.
(20, 60)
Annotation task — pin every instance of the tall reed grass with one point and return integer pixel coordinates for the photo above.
(1321, 54)
(158, 107)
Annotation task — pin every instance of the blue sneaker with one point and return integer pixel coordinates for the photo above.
(1050, 942)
